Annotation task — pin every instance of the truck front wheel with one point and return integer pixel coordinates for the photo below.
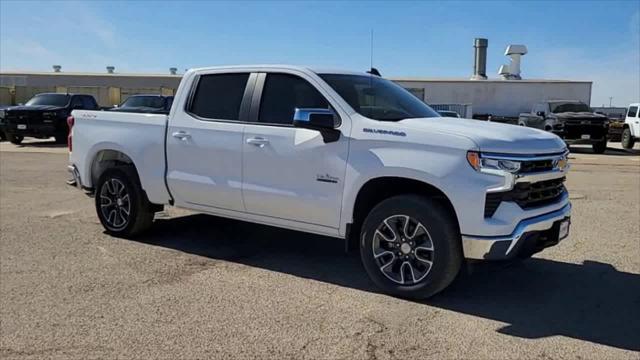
(600, 147)
(410, 246)
(121, 204)
(627, 139)
(15, 139)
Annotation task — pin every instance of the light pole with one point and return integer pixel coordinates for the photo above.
(610, 98)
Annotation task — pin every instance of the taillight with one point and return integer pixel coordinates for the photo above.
(70, 122)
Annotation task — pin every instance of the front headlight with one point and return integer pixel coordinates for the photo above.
(49, 115)
(489, 165)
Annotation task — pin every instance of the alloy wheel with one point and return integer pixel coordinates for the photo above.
(115, 204)
(403, 249)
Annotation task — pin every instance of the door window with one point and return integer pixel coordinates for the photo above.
(633, 111)
(219, 96)
(89, 102)
(539, 108)
(283, 93)
(76, 103)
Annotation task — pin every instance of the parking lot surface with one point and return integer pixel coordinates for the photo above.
(198, 286)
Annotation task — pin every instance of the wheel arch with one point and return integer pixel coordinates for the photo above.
(107, 158)
(377, 189)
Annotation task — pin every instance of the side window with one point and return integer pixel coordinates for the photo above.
(283, 93)
(541, 107)
(633, 111)
(218, 96)
(89, 103)
(76, 103)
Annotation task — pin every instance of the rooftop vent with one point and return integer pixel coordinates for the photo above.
(512, 71)
(173, 70)
(480, 59)
(57, 68)
(111, 69)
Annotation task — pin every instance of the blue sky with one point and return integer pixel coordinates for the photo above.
(597, 41)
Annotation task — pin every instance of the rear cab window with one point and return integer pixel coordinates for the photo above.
(219, 96)
(633, 111)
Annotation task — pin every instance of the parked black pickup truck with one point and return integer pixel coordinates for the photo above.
(43, 116)
(573, 121)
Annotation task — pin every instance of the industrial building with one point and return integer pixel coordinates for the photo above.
(477, 96)
(109, 88)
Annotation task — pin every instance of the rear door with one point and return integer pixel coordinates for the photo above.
(204, 142)
(291, 173)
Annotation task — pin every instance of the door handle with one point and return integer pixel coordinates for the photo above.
(257, 141)
(182, 135)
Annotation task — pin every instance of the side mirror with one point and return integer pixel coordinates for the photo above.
(541, 113)
(323, 120)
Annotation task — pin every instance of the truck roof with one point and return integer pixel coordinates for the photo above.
(57, 93)
(301, 68)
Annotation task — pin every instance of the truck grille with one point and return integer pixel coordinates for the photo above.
(527, 167)
(24, 117)
(527, 195)
(575, 129)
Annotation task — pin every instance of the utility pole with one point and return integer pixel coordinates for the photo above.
(610, 98)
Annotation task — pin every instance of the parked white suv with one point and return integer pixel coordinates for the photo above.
(343, 154)
(631, 128)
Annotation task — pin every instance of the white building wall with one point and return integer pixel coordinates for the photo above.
(499, 97)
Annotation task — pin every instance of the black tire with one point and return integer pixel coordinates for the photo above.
(113, 214)
(15, 139)
(600, 147)
(441, 231)
(61, 138)
(627, 139)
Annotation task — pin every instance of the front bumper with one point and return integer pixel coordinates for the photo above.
(530, 236)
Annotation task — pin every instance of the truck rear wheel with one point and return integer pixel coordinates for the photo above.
(600, 147)
(627, 139)
(15, 139)
(121, 204)
(410, 246)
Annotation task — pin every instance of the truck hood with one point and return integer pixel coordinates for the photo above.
(580, 115)
(490, 136)
(35, 108)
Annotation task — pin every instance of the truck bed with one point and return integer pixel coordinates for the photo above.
(143, 135)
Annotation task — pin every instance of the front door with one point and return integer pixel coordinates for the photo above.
(291, 173)
(204, 144)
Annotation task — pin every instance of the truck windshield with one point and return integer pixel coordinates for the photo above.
(49, 99)
(144, 101)
(378, 98)
(569, 107)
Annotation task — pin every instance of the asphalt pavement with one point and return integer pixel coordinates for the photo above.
(198, 286)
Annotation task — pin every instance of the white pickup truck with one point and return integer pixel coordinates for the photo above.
(343, 154)
(631, 127)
